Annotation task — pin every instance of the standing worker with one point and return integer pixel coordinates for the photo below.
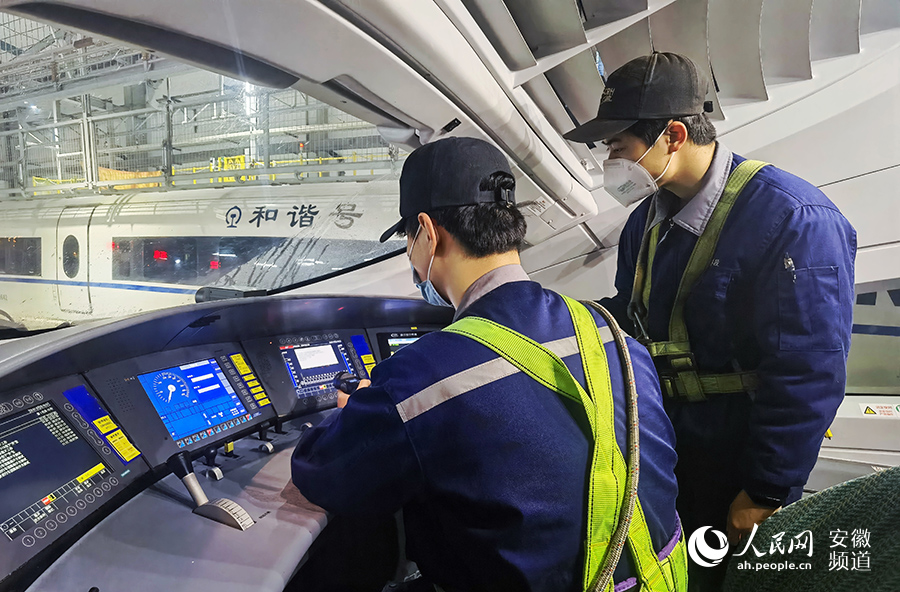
(738, 277)
(503, 437)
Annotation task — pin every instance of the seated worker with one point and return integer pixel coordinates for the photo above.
(490, 466)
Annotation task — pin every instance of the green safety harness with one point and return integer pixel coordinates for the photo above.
(680, 377)
(614, 511)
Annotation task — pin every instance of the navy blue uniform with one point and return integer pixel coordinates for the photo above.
(777, 299)
(492, 481)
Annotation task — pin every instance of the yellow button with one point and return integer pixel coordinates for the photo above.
(368, 359)
(264, 402)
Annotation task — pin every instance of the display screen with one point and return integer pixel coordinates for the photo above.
(395, 344)
(312, 366)
(194, 401)
(391, 343)
(43, 463)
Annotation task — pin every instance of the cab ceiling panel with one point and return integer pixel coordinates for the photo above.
(734, 28)
(682, 27)
(578, 84)
(603, 12)
(834, 28)
(879, 15)
(434, 45)
(494, 19)
(625, 46)
(548, 26)
(784, 40)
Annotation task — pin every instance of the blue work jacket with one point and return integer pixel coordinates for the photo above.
(492, 481)
(776, 299)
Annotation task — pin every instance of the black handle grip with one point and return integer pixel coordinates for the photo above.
(346, 382)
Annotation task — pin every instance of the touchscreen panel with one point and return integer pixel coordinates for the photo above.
(195, 401)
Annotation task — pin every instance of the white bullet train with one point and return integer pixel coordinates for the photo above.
(131, 493)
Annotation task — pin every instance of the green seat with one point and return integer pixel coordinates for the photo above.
(870, 503)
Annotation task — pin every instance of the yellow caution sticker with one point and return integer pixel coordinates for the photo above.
(260, 396)
(123, 446)
(257, 389)
(881, 410)
(264, 402)
(88, 474)
(367, 359)
(105, 424)
(240, 364)
(252, 383)
(250, 377)
(369, 368)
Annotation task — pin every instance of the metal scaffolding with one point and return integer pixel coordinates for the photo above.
(156, 139)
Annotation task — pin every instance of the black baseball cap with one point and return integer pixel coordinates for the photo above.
(448, 173)
(658, 86)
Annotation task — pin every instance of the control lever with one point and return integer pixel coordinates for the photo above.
(346, 382)
(220, 510)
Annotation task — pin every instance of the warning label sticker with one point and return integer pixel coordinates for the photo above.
(880, 410)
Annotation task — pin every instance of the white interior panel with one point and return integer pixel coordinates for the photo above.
(734, 49)
(602, 12)
(834, 28)
(548, 26)
(816, 154)
(878, 15)
(578, 84)
(590, 276)
(784, 40)
(625, 46)
(497, 23)
(562, 247)
(869, 202)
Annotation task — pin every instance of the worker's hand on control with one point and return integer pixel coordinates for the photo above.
(344, 397)
(742, 515)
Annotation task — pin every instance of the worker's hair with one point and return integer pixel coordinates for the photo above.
(481, 229)
(699, 128)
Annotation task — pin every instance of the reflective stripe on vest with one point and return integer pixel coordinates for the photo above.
(684, 380)
(606, 485)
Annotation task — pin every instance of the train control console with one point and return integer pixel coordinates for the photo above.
(153, 452)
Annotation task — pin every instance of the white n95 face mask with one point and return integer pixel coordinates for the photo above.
(627, 181)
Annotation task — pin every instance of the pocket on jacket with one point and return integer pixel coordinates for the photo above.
(706, 310)
(808, 301)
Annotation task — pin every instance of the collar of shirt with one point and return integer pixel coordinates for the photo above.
(695, 214)
(490, 281)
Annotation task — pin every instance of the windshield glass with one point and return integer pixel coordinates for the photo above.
(138, 190)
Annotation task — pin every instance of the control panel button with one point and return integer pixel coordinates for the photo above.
(28, 540)
(28, 399)
(106, 486)
(18, 403)
(62, 518)
(80, 504)
(39, 532)
(89, 498)
(38, 396)
(51, 525)
(98, 492)
(113, 481)
(72, 510)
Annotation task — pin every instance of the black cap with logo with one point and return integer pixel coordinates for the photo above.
(657, 86)
(448, 173)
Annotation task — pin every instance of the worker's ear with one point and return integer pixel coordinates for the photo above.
(676, 136)
(429, 233)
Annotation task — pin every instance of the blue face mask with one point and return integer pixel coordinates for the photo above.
(426, 288)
